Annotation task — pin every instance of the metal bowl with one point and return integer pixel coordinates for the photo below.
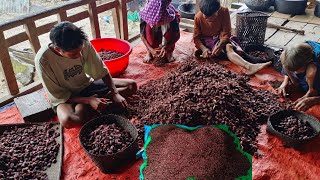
(294, 7)
(258, 5)
(187, 10)
(317, 10)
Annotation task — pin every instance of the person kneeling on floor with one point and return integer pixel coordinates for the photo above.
(74, 77)
(301, 67)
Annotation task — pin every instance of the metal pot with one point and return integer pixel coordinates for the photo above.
(258, 5)
(294, 7)
(187, 10)
(317, 10)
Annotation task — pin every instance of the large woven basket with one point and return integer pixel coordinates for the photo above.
(112, 163)
(251, 27)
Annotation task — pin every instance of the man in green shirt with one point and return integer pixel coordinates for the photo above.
(74, 76)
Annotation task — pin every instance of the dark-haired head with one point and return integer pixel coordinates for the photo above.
(67, 36)
(209, 7)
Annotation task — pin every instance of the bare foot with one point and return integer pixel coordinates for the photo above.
(311, 6)
(170, 58)
(254, 68)
(148, 58)
(229, 47)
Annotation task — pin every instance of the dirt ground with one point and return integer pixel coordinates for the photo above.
(105, 22)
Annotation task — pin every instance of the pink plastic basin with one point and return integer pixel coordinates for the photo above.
(118, 65)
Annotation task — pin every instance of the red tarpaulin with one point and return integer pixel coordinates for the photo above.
(276, 162)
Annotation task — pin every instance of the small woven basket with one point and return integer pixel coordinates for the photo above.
(251, 27)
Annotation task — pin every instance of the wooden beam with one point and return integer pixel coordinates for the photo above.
(62, 16)
(78, 16)
(7, 66)
(107, 6)
(42, 14)
(94, 21)
(116, 22)
(18, 38)
(46, 28)
(123, 19)
(31, 31)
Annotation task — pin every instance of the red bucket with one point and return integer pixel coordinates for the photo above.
(118, 65)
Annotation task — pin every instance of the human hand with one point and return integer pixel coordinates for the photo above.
(305, 103)
(216, 51)
(155, 52)
(163, 51)
(282, 89)
(310, 93)
(98, 103)
(118, 99)
(206, 53)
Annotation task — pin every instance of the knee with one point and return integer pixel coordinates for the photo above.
(229, 48)
(65, 121)
(132, 87)
(69, 120)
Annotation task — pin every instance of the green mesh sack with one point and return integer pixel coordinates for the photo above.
(148, 140)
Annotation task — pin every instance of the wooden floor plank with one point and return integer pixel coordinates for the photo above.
(282, 37)
(271, 31)
(311, 33)
(280, 15)
(315, 20)
(303, 18)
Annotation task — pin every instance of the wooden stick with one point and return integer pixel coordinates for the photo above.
(270, 25)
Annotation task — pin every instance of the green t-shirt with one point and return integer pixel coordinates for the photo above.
(63, 77)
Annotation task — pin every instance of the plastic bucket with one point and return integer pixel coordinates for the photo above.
(118, 65)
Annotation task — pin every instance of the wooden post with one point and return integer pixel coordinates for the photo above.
(31, 31)
(116, 22)
(62, 16)
(94, 21)
(123, 23)
(7, 67)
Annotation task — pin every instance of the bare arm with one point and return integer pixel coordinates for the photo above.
(95, 102)
(197, 34)
(149, 48)
(145, 42)
(282, 89)
(310, 75)
(307, 103)
(115, 96)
